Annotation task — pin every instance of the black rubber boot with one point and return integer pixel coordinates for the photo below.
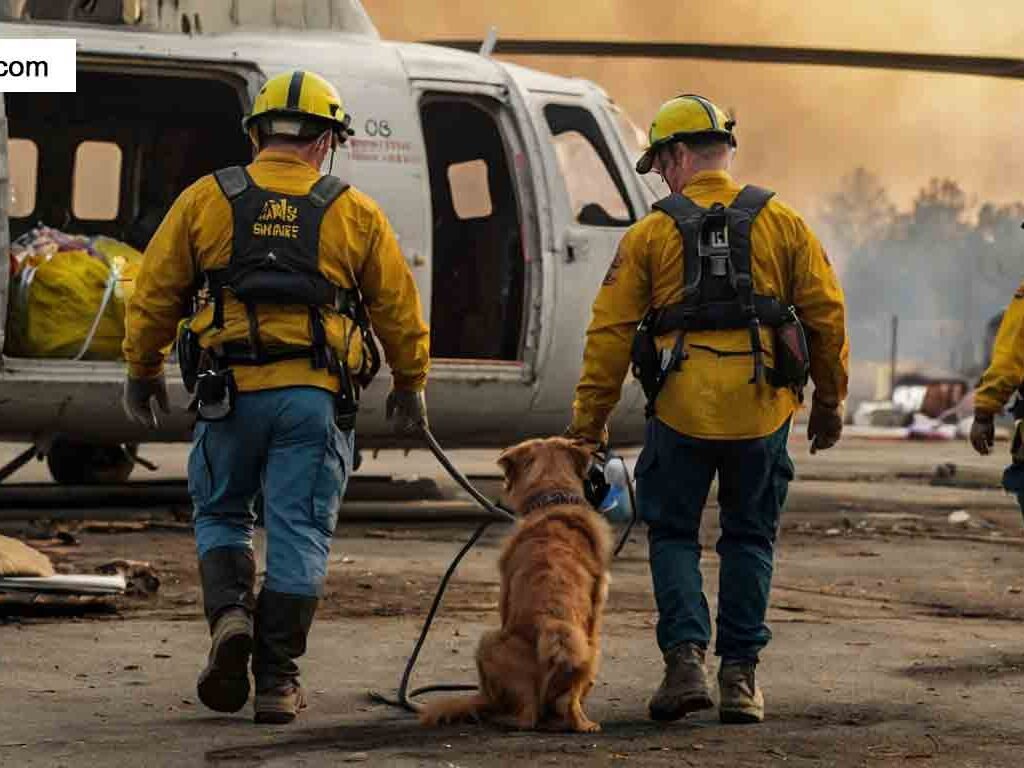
(228, 576)
(282, 625)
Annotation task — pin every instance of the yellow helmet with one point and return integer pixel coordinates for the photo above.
(296, 103)
(685, 118)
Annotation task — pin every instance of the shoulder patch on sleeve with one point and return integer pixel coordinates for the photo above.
(1019, 293)
(613, 269)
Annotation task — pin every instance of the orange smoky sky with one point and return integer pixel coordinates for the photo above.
(800, 127)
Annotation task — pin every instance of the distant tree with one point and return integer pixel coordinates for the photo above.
(859, 212)
(999, 244)
(945, 274)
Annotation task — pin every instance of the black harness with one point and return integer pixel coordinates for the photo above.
(275, 260)
(718, 292)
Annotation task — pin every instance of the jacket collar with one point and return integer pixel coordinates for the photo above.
(708, 181)
(279, 156)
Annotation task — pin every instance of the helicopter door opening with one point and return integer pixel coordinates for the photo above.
(477, 299)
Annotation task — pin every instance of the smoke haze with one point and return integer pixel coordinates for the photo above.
(801, 129)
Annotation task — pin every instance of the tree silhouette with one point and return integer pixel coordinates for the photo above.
(943, 273)
(859, 212)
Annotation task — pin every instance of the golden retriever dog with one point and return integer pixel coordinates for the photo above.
(538, 668)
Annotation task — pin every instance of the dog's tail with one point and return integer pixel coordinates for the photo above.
(562, 649)
(457, 709)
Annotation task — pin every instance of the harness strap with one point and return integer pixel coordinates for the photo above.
(233, 181)
(258, 351)
(751, 200)
(684, 212)
(241, 353)
(326, 190)
(679, 317)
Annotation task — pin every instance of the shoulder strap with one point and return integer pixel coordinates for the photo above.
(750, 202)
(679, 207)
(326, 190)
(233, 181)
(752, 199)
(684, 211)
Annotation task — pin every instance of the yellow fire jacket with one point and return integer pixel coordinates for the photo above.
(357, 249)
(1006, 371)
(711, 397)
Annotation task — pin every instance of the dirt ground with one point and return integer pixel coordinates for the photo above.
(897, 637)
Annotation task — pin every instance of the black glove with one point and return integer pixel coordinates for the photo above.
(983, 433)
(589, 444)
(138, 396)
(408, 410)
(824, 426)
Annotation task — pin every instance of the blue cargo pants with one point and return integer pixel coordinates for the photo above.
(674, 474)
(284, 441)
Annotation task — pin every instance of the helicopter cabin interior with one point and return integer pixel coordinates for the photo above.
(110, 158)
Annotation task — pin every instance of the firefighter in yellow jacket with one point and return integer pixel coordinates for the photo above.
(1004, 376)
(713, 276)
(281, 272)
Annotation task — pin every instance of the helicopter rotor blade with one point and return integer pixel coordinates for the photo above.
(986, 66)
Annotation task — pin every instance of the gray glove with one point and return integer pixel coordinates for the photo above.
(983, 433)
(408, 410)
(138, 397)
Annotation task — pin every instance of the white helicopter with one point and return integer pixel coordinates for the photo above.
(509, 189)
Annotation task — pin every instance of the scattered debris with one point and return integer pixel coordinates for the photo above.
(140, 576)
(66, 584)
(105, 526)
(959, 517)
(355, 757)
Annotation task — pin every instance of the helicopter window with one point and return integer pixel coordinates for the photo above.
(114, 154)
(97, 181)
(596, 192)
(471, 195)
(24, 169)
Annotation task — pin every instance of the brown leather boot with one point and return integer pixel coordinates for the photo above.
(227, 576)
(282, 624)
(279, 705)
(684, 688)
(740, 697)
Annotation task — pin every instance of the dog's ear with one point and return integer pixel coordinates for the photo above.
(511, 462)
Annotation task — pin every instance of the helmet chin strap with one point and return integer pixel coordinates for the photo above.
(334, 144)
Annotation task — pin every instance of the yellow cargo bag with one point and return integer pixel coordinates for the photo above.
(67, 308)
